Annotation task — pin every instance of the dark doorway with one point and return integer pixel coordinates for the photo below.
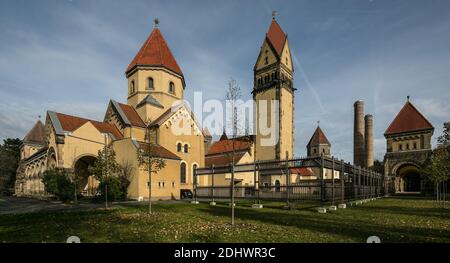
(411, 182)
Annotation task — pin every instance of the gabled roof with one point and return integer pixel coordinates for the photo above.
(171, 111)
(223, 159)
(318, 137)
(149, 99)
(36, 134)
(68, 123)
(304, 171)
(155, 52)
(128, 114)
(226, 145)
(276, 36)
(159, 150)
(407, 120)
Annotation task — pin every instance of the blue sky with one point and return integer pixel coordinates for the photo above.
(70, 56)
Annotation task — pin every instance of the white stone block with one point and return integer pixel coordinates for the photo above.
(258, 206)
(342, 206)
(332, 208)
(194, 202)
(140, 199)
(212, 203)
(322, 210)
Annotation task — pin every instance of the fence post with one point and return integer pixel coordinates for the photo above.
(257, 196)
(359, 182)
(332, 180)
(195, 185)
(342, 182)
(323, 193)
(288, 181)
(212, 181)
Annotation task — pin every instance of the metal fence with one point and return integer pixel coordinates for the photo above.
(354, 183)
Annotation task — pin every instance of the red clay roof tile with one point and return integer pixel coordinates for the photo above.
(71, 123)
(276, 36)
(318, 138)
(132, 115)
(407, 120)
(160, 151)
(155, 52)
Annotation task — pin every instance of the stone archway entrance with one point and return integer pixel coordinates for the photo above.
(408, 179)
(86, 183)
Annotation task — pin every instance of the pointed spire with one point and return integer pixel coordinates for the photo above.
(276, 36)
(318, 137)
(155, 52)
(224, 136)
(407, 120)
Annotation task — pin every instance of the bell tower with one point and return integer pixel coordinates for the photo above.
(273, 90)
(155, 80)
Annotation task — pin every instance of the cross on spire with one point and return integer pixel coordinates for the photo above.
(407, 97)
(274, 14)
(156, 21)
(318, 123)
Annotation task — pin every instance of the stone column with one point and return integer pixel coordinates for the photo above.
(368, 137)
(358, 134)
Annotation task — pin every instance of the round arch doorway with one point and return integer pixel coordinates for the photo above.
(86, 183)
(408, 177)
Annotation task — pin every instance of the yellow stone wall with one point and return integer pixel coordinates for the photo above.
(196, 149)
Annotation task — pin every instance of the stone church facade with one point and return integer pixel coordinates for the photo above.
(155, 91)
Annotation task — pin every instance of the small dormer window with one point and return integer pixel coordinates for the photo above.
(150, 84)
(172, 87)
(132, 88)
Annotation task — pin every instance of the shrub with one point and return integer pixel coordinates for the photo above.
(117, 188)
(57, 182)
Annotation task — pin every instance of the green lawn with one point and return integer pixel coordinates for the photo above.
(392, 219)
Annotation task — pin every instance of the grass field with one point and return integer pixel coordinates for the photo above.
(391, 219)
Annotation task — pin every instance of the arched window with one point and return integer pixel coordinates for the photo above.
(277, 186)
(150, 84)
(179, 147)
(266, 60)
(314, 151)
(172, 87)
(132, 87)
(193, 169)
(183, 173)
(186, 148)
(400, 147)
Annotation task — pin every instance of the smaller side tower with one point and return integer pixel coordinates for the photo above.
(318, 144)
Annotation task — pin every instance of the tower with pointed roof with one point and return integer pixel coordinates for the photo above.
(318, 144)
(408, 144)
(155, 80)
(273, 90)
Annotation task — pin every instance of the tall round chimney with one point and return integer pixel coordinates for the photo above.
(358, 134)
(368, 136)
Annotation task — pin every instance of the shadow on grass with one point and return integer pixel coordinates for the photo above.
(337, 224)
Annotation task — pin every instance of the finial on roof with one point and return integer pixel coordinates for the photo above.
(318, 123)
(274, 14)
(407, 98)
(156, 20)
(39, 117)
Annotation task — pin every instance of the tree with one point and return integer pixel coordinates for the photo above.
(57, 182)
(378, 166)
(444, 139)
(437, 166)
(9, 162)
(233, 95)
(150, 161)
(105, 166)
